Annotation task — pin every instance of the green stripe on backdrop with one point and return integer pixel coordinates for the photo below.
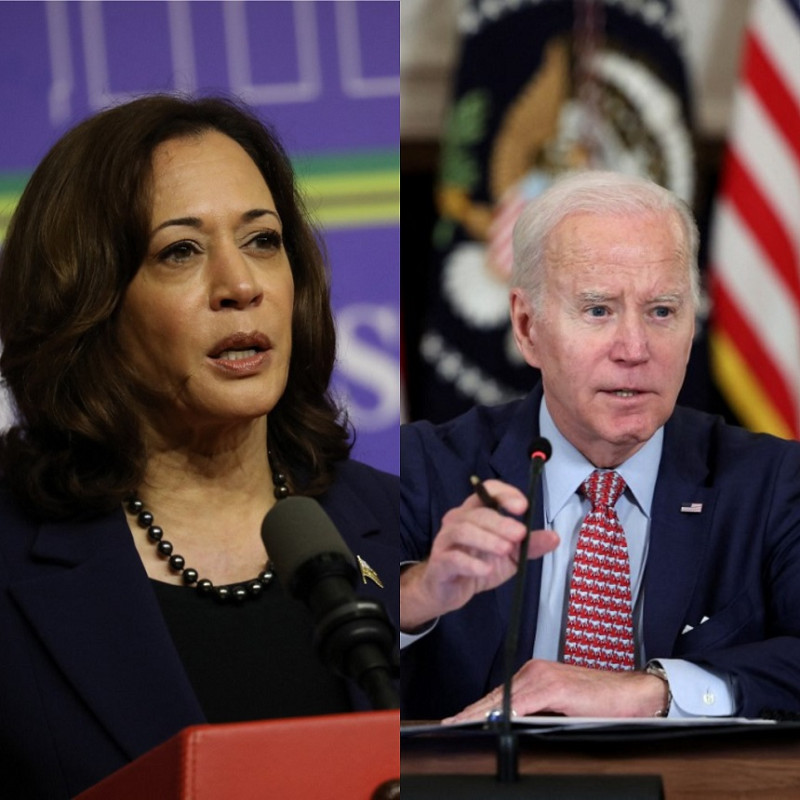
(347, 190)
(11, 186)
(354, 189)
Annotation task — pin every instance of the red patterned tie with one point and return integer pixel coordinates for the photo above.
(599, 619)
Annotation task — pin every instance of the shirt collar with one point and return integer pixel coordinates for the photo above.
(568, 468)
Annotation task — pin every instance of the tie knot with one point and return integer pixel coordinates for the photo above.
(603, 488)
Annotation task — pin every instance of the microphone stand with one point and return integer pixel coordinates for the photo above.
(507, 742)
(357, 641)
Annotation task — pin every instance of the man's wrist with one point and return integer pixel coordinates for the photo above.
(415, 617)
(655, 668)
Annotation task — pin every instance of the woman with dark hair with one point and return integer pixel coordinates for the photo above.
(168, 344)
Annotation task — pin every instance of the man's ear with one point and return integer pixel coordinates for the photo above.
(523, 327)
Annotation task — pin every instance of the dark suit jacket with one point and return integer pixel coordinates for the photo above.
(737, 562)
(89, 675)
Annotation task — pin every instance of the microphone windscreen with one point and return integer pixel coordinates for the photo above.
(297, 529)
(540, 448)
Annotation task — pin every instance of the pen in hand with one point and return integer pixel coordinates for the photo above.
(484, 496)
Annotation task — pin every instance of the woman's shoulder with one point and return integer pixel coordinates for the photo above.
(358, 487)
(354, 473)
(12, 513)
(363, 483)
(18, 532)
(28, 537)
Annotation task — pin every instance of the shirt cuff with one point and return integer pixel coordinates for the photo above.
(409, 638)
(697, 692)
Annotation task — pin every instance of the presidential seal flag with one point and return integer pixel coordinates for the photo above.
(755, 247)
(543, 87)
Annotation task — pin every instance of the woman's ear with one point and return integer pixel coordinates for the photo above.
(522, 325)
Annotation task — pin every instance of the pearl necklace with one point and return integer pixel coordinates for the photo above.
(236, 592)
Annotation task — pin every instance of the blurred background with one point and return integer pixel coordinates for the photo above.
(500, 96)
(324, 74)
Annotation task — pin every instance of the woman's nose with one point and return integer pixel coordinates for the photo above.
(234, 282)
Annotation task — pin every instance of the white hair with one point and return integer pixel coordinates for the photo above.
(593, 192)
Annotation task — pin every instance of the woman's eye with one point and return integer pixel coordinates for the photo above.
(178, 253)
(268, 240)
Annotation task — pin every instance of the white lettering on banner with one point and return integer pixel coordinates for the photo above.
(59, 98)
(354, 82)
(238, 17)
(368, 365)
(96, 57)
(309, 85)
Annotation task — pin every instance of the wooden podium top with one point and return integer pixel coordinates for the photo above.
(754, 762)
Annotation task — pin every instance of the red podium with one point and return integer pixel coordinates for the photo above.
(336, 757)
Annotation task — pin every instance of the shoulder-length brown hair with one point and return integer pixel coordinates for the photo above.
(73, 245)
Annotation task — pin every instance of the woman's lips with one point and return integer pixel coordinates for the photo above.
(253, 340)
(241, 353)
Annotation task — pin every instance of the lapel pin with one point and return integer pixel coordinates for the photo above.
(368, 572)
(691, 508)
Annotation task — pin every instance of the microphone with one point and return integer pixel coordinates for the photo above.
(540, 451)
(352, 636)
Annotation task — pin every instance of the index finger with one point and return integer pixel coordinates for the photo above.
(497, 494)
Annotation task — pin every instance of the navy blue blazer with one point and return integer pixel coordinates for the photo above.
(736, 562)
(89, 676)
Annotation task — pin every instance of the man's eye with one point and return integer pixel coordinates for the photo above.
(662, 311)
(597, 311)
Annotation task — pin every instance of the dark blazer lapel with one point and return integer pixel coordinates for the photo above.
(359, 527)
(510, 464)
(678, 537)
(94, 610)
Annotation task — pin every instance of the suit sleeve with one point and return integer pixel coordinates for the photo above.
(417, 525)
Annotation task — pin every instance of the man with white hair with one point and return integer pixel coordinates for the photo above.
(693, 525)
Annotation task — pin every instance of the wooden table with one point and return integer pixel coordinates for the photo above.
(760, 763)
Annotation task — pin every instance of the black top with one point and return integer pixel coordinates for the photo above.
(94, 678)
(253, 660)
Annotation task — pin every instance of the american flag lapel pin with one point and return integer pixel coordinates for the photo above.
(367, 572)
(691, 508)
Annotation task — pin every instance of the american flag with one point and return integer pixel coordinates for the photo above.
(755, 245)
